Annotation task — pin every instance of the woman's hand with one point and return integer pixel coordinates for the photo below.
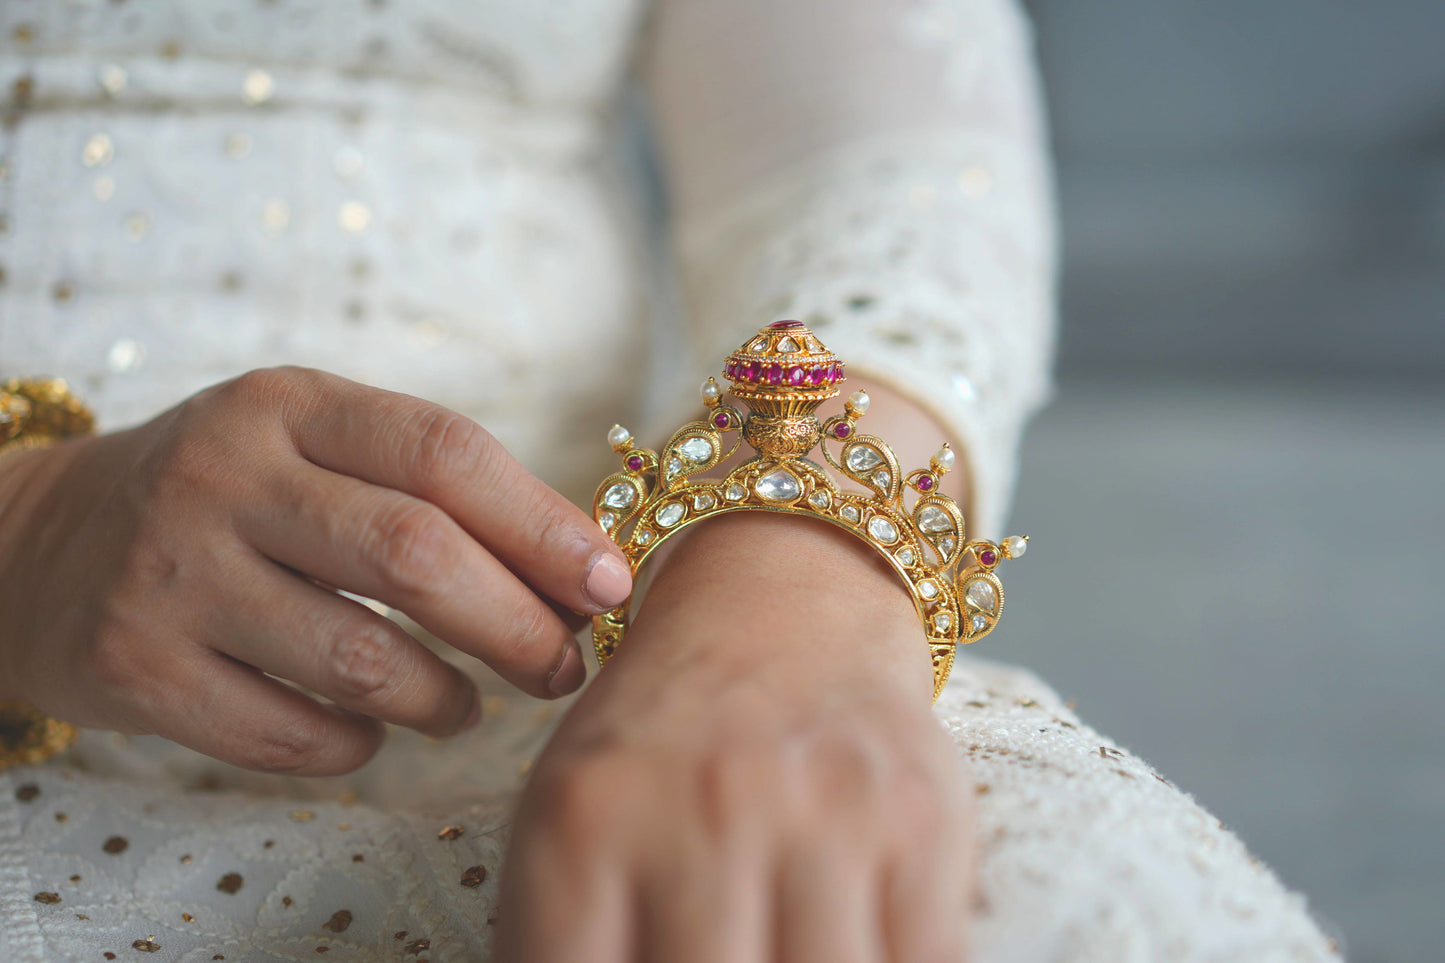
(155, 579)
(756, 777)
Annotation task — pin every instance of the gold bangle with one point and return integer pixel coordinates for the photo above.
(36, 413)
(28, 736)
(782, 374)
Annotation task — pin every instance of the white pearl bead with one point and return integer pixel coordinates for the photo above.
(944, 458)
(619, 437)
(711, 390)
(1015, 546)
(859, 401)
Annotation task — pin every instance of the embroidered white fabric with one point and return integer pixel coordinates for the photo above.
(422, 194)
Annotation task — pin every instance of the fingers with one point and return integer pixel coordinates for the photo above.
(564, 917)
(827, 907)
(343, 651)
(400, 550)
(717, 916)
(240, 716)
(927, 914)
(446, 459)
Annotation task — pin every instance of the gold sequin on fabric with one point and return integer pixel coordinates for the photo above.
(230, 883)
(98, 151)
(416, 946)
(257, 88)
(354, 217)
(275, 215)
(474, 876)
(49, 899)
(147, 945)
(339, 921)
(112, 79)
(116, 845)
(302, 815)
(450, 832)
(27, 792)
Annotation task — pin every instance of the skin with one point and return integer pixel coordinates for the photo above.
(153, 578)
(757, 776)
(746, 782)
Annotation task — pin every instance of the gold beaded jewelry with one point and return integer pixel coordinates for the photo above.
(36, 413)
(782, 374)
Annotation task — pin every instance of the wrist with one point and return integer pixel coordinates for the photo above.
(798, 596)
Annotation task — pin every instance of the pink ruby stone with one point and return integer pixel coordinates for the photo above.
(817, 375)
(747, 372)
(634, 463)
(987, 556)
(781, 325)
(775, 374)
(842, 430)
(925, 483)
(796, 375)
(720, 419)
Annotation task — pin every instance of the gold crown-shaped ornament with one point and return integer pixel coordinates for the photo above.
(782, 374)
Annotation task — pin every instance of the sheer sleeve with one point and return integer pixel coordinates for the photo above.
(876, 168)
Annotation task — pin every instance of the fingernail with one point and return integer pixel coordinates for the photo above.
(609, 581)
(569, 673)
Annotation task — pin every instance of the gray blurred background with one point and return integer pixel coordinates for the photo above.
(1236, 496)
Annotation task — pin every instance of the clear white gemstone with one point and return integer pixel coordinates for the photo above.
(882, 529)
(670, 514)
(607, 520)
(944, 458)
(861, 458)
(696, 450)
(703, 501)
(735, 493)
(674, 465)
(760, 345)
(1014, 546)
(934, 519)
(711, 390)
(644, 536)
(779, 485)
(981, 593)
(787, 346)
(928, 588)
(881, 479)
(850, 513)
(942, 621)
(979, 623)
(860, 401)
(945, 545)
(619, 437)
(619, 495)
(820, 499)
(905, 555)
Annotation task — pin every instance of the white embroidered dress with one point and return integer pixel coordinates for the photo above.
(440, 196)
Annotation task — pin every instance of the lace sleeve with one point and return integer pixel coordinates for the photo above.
(877, 169)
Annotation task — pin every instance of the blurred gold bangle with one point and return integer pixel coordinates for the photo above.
(36, 413)
(28, 736)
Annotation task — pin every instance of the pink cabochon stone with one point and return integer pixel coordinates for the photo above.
(775, 374)
(720, 419)
(925, 483)
(634, 463)
(782, 325)
(842, 430)
(797, 375)
(987, 556)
